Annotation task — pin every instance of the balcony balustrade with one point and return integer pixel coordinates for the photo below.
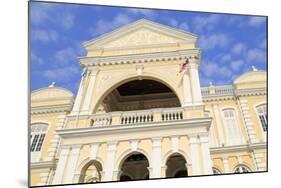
(137, 117)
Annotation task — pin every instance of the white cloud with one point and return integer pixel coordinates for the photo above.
(63, 74)
(144, 12)
(213, 41)
(238, 48)
(256, 21)
(39, 12)
(213, 69)
(184, 26)
(256, 55)
(103, 26)
(44, 35)
(203, 23)
(225, 58)
(36, 59)
(67, 21)
(173, 22)
(66, 55)
(236, 65)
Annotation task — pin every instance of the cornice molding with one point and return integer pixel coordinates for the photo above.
(43, 164)
(117, 129)
(51, 109)
(238, 148)
(234, 94)
(160, 57)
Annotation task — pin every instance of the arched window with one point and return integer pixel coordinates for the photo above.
(262, 113)
(231, 125)
(38, 133)
(241, 169)
(216, 171)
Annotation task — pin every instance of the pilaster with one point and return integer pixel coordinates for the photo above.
(156, 157)
(110, 160)
(206, 156)
(194, 151)
(61, 165)
(72, 162)
(89, 93)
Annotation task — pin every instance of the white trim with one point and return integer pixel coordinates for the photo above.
(107, 130)
(239, 137)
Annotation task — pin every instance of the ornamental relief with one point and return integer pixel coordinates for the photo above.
(141, 37)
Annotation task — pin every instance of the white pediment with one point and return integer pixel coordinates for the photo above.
(141, 33)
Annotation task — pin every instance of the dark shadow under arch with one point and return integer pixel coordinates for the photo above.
(176, 166)
(135, 94)
(134, 167)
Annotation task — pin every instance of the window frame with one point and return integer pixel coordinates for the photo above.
(35, 155)
(259, 120)
(240, 137)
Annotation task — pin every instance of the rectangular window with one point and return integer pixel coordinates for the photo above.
(34, 142)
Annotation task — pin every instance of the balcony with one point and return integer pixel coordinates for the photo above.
(137, 117)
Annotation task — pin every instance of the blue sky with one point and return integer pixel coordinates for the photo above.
(230, 44)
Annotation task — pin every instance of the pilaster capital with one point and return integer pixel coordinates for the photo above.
(111, 145)
(156, 141)
(204, 137)
(193, 138)
(225, 159)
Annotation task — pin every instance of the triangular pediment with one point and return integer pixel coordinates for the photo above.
(141, 33)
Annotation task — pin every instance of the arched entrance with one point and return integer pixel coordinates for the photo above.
(134, 167)
(91, 172)
(176, 166)
(139, 95)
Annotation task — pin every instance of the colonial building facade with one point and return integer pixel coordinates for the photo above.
(136, 117)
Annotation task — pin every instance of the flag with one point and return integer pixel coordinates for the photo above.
(183, 66)
(84, 71)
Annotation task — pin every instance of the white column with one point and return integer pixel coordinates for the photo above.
(194, 151)
(206, 156)
(78, 99)
(89, 93)
(156, 157)
(187, 89)
(61, 165)
(72, 162)
(195, 82)
(225, 165)
(110, 160)
(218, 124)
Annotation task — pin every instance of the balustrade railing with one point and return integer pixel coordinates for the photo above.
(137, 117)
(172, 114)
(217, 90)
(101, 120)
